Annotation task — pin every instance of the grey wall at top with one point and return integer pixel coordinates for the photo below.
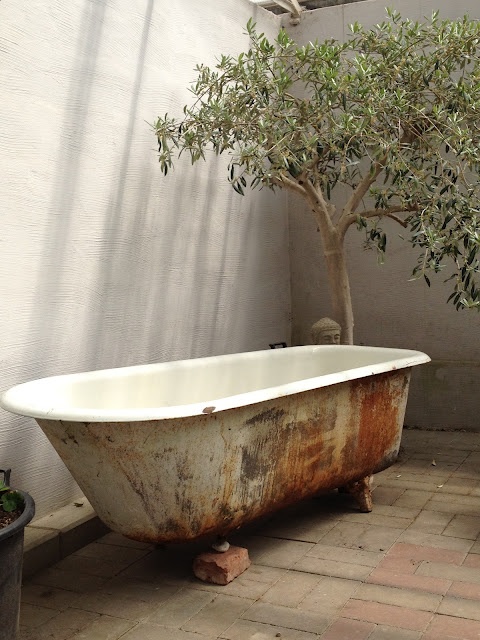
(104, 262)
(389, 310)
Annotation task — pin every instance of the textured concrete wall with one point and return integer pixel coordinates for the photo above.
(389, 310)
(104, 262)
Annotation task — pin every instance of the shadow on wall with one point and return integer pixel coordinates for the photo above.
(45, 324)
(173, 305)
(166, 268)
(44, 330)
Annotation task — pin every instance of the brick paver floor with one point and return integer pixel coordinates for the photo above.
(409, 570)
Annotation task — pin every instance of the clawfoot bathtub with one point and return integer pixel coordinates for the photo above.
(174, 451)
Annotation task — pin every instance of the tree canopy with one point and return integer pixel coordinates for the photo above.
(391, 116)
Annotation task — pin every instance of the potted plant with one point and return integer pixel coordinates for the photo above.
(17, 508)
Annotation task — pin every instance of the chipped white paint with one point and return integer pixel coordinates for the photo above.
(103, 261)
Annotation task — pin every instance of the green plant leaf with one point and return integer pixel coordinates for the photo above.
(401, 98)
(11, 501)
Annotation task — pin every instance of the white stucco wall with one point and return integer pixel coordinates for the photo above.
(103, 261)
(389, 310)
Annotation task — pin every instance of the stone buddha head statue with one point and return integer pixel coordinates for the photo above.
(326, 331)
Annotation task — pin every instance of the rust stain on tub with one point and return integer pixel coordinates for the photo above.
(312, 457)
(381, 405)
(267, 415)
(182, 478)
(295, 461)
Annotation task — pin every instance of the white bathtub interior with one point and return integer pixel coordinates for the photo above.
(186, 387)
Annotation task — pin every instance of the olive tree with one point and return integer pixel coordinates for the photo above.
(391, 117)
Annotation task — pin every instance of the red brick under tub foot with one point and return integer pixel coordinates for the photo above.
(221, 568)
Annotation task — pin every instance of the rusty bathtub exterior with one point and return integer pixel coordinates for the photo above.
(161, 479)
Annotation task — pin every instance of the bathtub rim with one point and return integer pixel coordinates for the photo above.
(16, 399)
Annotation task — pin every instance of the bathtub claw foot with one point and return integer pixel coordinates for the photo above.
(360, 490)
(221, 545)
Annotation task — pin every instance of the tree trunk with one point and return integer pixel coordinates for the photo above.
(338, 281)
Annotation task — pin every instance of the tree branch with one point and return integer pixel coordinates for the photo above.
(320, 207)
(378, 213)
(363, 188)
(389, 212)
(283, 181)
(315, 196)
(365, 184)
(372, 213)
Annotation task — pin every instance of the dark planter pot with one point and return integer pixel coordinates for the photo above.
(11, 558)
